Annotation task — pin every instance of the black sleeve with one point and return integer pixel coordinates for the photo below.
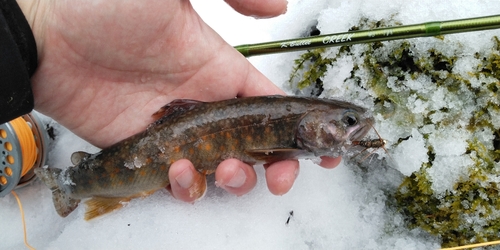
(18, 61)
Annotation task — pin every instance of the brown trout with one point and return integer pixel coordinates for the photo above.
(254, 130)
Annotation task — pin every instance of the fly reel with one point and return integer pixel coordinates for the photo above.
(23, 147)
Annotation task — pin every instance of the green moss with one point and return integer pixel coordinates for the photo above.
(470, 211)
(474, 198)
(492, 62)
(316, 64)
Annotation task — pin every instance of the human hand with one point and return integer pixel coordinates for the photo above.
(106, 66)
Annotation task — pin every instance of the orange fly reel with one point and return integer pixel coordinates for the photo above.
(22, 149)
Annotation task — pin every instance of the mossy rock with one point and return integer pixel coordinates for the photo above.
(469, 210)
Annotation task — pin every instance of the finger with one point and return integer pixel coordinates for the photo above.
(259, 8)
(330, 162)
(280, 176)
(235, 177)
(186, 183)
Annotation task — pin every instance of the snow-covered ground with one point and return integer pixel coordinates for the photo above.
(343, 208)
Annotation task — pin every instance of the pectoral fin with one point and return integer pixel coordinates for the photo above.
(174, 108)
(199, 188)
(274, 154)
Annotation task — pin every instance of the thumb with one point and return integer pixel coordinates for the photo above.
(259, 8)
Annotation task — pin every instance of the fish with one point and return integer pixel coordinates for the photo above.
(255, 130)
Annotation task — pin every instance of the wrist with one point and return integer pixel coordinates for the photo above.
(36, 14)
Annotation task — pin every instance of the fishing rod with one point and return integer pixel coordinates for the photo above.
(435, 28)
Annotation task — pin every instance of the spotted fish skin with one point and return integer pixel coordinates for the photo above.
(252, 129)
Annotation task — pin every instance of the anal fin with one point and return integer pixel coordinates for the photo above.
(97, 206)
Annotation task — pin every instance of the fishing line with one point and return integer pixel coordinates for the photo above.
(27, 142)
(24, 222)
(484, 244)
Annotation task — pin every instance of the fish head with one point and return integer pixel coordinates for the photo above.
(326, 132)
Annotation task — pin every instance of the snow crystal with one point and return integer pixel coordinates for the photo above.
(65, 179)
(411, 154)
(438, 100)
(417, 105)
(447, 170)
(485, 137)
(449, 142)
(495, 117)
(465, 65)
(334, 78)
(136, 163)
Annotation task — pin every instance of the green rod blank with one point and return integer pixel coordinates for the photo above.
(375, 35)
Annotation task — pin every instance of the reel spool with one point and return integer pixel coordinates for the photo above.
(23, 147)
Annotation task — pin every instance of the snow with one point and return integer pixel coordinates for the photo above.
(446, 171)
(343, 208)
(411, 154)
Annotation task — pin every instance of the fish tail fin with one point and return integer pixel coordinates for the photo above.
(62, 202)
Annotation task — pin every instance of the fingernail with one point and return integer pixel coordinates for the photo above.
(238, 179)
(286, 9)
(185, 179)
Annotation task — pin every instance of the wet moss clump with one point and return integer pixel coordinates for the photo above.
(316, 64)
(441, 89)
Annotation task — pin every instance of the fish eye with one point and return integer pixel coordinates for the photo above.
(350, 118)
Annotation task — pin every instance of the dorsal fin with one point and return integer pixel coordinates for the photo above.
(78, 157)
(177, 106)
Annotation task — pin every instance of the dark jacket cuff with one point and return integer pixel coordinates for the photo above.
(18, 62)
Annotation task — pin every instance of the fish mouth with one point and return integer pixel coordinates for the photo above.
(359, 133)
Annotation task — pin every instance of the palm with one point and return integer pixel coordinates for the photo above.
(103, 77)
(106, 66)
